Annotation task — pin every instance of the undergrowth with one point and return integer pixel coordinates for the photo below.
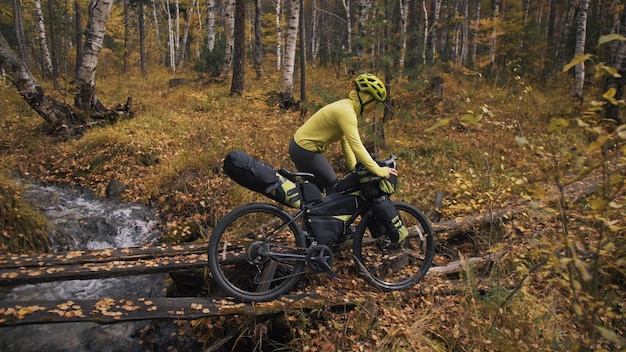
(559, 284)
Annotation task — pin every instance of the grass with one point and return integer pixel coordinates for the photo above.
(169, 156)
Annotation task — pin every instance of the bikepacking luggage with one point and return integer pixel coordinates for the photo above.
(374, 187)
(260, 177)
(327, 219)
(388, 217)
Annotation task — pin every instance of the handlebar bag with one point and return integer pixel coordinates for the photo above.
(258, 176)
(374, 187)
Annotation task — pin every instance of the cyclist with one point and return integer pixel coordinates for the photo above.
(339, 121)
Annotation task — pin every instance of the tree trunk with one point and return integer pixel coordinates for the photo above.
(43, 44)
(612, 110)
(581, 37)
(142, 38)
(210, 25)
(426, 32)
(474, 49)
(86, 99)
(54, 48)
(346, 6)
(171, 46)
(229, 31)
(18, 23)
(433, 32)
(60, 116)
(239, 54)
(286, 90)
(315, 46)
(79, 35)
(302, 54)
(464, 34)
(279, 34)
(404, 20)
(494, 35)
(258, 47)
(182, 53)
(126, 36)
(157, 31)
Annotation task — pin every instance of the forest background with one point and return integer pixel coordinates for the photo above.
(495, 103)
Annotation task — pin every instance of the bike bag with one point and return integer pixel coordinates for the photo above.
(260, 177)
(327, 219)
(388, 217)
(373, 186)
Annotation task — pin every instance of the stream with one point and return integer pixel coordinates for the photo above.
(81, 221)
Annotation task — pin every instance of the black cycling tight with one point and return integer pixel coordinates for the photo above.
(315, 163)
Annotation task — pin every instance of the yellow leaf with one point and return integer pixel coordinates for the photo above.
(440, 123)
(577, 60)
(610, 37)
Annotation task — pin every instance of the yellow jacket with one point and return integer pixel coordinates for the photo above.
(338, 121)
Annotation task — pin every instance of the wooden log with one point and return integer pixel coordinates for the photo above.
(82, 265)
(108, 310)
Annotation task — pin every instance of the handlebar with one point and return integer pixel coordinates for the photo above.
(390, 162)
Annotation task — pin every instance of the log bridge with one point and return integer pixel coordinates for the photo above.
(115, 262)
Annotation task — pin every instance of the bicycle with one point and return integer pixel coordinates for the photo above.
(258, 252)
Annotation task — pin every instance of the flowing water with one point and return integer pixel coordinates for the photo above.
(82, 221)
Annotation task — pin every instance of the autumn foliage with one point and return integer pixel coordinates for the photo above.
(559, 284)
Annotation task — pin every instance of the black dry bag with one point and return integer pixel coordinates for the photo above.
(260, 177)
(388, 217)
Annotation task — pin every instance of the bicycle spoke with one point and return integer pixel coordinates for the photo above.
(395, 266)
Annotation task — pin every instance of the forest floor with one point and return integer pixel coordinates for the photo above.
(485, 144)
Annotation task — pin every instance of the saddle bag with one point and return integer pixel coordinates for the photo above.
(388, 218)
(260, 177)
(327, 219)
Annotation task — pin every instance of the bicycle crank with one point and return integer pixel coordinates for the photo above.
(320, 259)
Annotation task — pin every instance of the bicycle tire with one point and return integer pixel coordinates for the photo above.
(253, 252)
(391, 266)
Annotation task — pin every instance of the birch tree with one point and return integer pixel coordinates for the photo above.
(229, 32)
(581, 37)
(86, 99)
(434, 32)
(182, 50)
(170, 35)
(404, 12)
(279, 33)
(346, 6)
(315, 42)
(210, 25)
(286, 90)
(62, 118)
(43, 44)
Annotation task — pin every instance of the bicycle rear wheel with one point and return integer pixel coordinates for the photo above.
(256, 252)
(391, 266)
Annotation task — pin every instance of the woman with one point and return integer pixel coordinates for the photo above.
(334, 122)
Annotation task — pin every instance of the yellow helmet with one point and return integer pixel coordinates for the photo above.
(369, 83)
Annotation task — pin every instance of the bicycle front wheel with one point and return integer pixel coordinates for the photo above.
(394, 266)
(257, 252)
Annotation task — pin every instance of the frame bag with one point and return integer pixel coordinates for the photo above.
(260, 177)
(327, 219)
